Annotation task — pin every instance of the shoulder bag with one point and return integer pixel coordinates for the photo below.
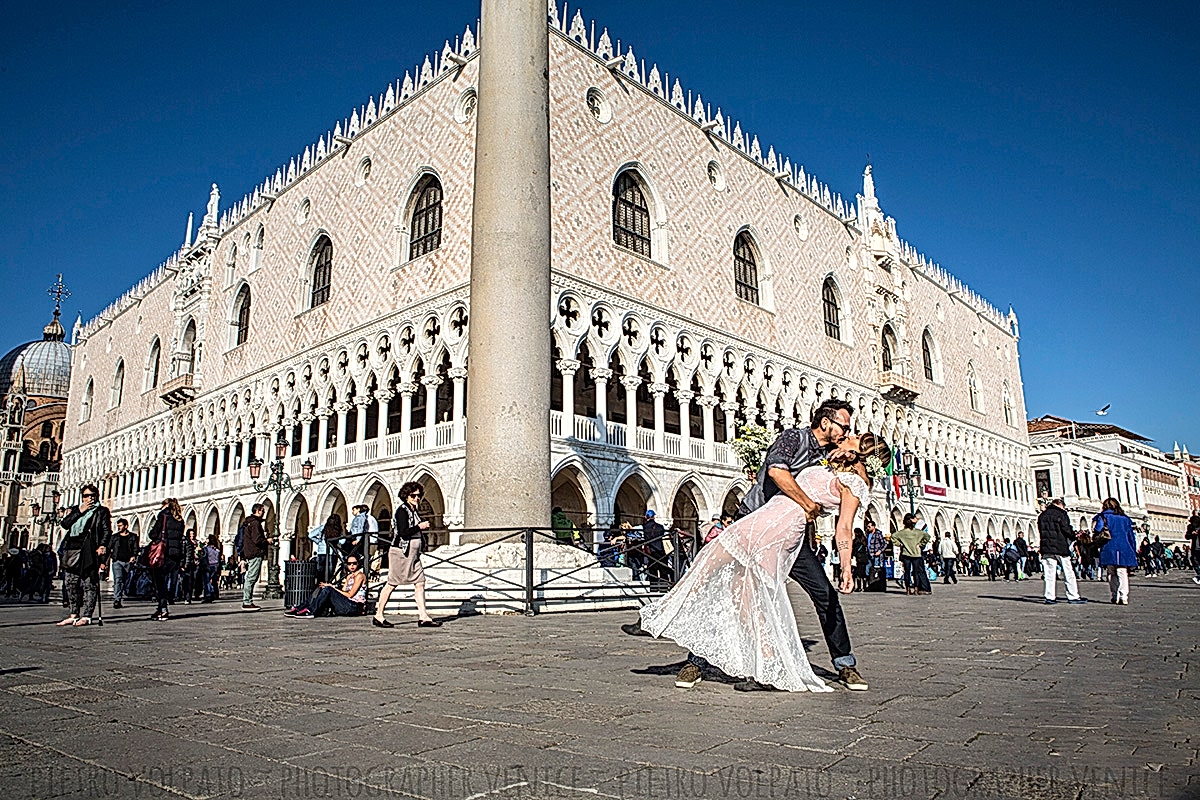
(158, 550)
(1102, 536)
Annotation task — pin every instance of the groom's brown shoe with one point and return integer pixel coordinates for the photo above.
(849, 677)
(688, 677)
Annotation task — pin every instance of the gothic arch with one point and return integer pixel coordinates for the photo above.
(407, 205)
(654, 205)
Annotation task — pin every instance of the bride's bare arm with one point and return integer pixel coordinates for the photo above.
(844, 537)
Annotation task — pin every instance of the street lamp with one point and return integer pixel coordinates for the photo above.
(49, 518)
(912, 480)
(277, 482)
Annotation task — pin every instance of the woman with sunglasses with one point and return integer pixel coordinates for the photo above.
(84, 549)
(348, 600)
(404, 558)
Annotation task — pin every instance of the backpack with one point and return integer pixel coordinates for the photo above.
(1011, 555)
(213, 556)
(239, 540)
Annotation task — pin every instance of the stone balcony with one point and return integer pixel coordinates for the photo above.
(179, 390)
(897, 387)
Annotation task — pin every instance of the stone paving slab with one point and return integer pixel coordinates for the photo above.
(978, 691)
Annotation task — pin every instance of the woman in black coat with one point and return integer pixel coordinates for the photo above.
(168, 528)
(85, 549)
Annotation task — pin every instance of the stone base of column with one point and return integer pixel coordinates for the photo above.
(453, 590)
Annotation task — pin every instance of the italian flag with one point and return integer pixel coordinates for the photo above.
(894, 467)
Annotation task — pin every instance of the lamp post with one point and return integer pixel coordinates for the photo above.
(912, 480)
(49, 518)
(277, 482)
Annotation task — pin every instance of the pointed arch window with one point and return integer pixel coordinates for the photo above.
(745, 268)
(241, 316)
(426, 225)
(118, 386)
(831, 309)
(256, 251)
(972, 388)
(927, 354)
(631, 215)
(1008, 406)
(321, 264)
(187, 364)
(152, 364)
(85, 408)
(886, 352)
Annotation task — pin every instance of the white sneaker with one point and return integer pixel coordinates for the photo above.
(1196, 581)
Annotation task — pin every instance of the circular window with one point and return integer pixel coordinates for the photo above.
(598, 105)
(304, 210)
(364, 172)
(464, 111)
(801, 226)
(716, 176)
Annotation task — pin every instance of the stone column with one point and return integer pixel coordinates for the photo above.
(306, 421)
(771, 421)
(631, 383)
(341, 408)
(289, 430)
(431, 382)
(360, 429)
(508, 435)
(568, 367)
(658, 391)
(407, 390)
(730, 408)
(684, 396)
(323, 427)
(459, 376)
(707, 403)
(602, 376)
(383, 397)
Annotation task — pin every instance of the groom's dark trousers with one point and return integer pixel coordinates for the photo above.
(808, 572)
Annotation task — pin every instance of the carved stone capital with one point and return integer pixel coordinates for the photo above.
(601, 374)
(457, 373)
(431, 380)
(707, 401)
(659, 389)
(685, 395)
(567, 366)
(631, 382)
(384, 395)
(408, 388)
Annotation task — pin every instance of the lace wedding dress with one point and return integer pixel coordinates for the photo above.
(732, 606)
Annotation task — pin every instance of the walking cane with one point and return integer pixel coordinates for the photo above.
(100, 603)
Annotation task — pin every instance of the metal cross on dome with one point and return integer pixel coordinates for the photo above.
(58, 292)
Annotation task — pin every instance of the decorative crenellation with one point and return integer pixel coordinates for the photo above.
(129, 298)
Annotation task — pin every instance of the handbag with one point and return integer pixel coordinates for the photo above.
(158, 553)
(1102, 536)
(71, 560)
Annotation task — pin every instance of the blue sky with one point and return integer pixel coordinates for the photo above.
(1047, 154)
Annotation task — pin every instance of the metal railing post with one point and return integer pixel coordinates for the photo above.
(676, 556)
(529, 609)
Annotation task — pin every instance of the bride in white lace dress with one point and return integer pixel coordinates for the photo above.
(732, 606)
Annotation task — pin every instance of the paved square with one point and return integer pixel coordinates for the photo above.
(979, 691)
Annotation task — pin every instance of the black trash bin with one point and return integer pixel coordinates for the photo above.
(299, 582)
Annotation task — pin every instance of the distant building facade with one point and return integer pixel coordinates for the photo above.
(699, 284)
(1190, 465)
(1085, 463)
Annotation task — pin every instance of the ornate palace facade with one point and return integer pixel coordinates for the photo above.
(700, 283)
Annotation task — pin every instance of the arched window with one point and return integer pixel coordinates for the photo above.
(187, 364)
(85, 408)
(1008, 406)
(888, 349)
(241, 316)
(745, 268)
(47, 430)
(152, 364)
(972, 387)
(631, 215)
(426, 227)
(257, 250)
(832, 310)
(927, 354)
(321, 268)
(118, 386)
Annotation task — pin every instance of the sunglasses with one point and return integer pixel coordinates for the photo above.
(89, 497)
(351, 563)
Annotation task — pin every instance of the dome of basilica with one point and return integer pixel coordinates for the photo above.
(41, 368)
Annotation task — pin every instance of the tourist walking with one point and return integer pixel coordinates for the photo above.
(404, 557)
(860, 555)
(164, 559)
(255, 546)
(949, 554)
(1193, 537)
(1056, 535)
(1119, 553)
(912, 546)
(210, 569)
(85, 548)
(122, 553)
(1022, 554)
(732, 606)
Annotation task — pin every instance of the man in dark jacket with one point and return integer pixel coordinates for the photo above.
(124, 550)
(254, 547)
(1054, 529)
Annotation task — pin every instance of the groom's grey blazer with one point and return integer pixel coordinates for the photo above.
(796, 449)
